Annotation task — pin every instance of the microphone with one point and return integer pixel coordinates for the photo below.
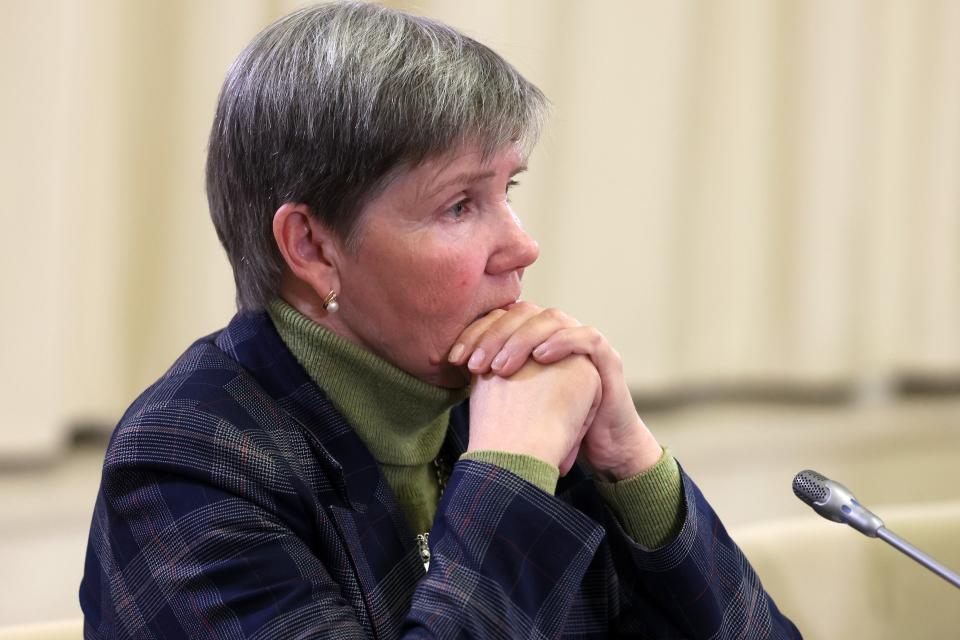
(835, 502)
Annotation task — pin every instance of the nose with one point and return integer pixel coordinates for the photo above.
(514, 248)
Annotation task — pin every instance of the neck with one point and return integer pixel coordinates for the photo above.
(401, 419)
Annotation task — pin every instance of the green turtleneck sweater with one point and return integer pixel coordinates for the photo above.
(403, 421)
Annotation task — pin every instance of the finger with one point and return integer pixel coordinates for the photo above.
(467, 340)
(594, 408)
(520, 344)
(586, 341)
(567, 463)
(489, 343)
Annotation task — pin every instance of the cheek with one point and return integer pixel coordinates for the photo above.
(453, 286)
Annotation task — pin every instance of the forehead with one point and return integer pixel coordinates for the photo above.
(464, 165)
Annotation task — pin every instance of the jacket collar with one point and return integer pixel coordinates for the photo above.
(253, 341)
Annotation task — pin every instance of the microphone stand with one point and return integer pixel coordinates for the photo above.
(835, 502)
(908, 549)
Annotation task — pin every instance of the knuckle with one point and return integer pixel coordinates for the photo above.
(617, 359)
(523, 305)
(596, 338)
(493, 339)
(496, 314)
(554, 314)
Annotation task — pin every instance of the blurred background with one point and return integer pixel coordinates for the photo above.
(757, 201)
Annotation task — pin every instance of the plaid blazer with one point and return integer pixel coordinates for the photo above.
(236, 502)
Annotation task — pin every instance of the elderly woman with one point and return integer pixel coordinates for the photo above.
(315, 469)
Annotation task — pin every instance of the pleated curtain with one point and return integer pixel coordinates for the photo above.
(739, 194)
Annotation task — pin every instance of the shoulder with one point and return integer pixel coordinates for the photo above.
(208, 417)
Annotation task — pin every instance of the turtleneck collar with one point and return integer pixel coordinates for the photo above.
(402, 419)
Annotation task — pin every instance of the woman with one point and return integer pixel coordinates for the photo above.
(315, 469)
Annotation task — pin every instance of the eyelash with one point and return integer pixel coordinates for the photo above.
(466, 201)
(510, 185)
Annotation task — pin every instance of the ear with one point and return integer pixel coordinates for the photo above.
(309, 248)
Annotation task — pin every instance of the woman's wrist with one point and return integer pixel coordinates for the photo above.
(637, 454)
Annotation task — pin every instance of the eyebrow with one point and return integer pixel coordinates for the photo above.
(468, 177)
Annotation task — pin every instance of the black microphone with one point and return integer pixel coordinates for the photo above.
(835, 502)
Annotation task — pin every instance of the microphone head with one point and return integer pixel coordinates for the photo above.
(834, 502)
(811, 487)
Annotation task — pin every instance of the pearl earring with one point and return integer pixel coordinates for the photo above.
(330, 304)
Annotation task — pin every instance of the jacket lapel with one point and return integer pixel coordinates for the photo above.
(369, 522)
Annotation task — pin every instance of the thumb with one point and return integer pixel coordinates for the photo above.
(567, 463)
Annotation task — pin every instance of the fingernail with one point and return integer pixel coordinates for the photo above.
(476, 359)
(540, 351)
(499, 361)
(456, 352)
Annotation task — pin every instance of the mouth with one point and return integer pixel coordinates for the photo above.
(505, 307)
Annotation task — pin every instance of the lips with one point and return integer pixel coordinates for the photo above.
(505, 306)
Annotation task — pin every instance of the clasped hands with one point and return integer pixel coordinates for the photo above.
(544, 385)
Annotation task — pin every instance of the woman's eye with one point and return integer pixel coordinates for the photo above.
(458, 210)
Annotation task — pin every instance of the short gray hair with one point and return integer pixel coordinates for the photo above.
(327, 103)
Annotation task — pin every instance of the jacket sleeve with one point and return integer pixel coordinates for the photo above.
(699, 584)
(507, 559)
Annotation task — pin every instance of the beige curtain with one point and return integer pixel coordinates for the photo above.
(738, 193)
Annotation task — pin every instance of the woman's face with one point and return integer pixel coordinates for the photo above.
(439, 247)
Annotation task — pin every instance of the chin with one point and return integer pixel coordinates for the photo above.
(448, 376)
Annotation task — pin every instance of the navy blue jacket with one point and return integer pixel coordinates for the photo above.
(236, 502)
